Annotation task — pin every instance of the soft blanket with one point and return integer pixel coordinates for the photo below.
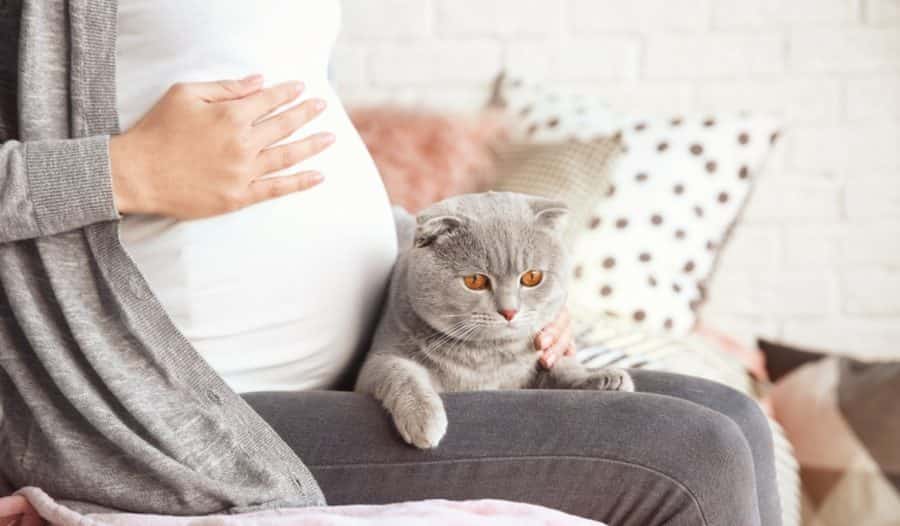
(431, 512)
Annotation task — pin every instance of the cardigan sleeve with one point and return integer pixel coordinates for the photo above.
(53, 186)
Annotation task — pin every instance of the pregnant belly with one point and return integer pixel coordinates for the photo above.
(281, 294)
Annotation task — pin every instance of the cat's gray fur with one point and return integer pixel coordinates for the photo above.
(437, 336)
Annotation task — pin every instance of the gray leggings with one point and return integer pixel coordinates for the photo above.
(681, 452)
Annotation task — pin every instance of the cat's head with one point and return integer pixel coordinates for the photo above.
(489, 266)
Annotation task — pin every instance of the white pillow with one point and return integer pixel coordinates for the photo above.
(648, 248)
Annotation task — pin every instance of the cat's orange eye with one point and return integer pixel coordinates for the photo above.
(532, 278)
(476, 281)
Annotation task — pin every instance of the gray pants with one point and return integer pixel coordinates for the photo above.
(680, 452)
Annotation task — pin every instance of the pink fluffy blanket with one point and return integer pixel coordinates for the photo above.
(430, 512)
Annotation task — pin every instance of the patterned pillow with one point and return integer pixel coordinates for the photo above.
(843, 418)
(648, 250)
(576, 173)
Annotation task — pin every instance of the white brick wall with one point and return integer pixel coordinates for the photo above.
(816, 259)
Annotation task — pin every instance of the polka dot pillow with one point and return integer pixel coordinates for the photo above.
(649, 247)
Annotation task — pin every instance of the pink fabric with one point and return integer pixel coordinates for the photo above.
(430, 512)
(424, 157)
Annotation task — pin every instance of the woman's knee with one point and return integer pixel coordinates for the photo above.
(742, 409)
(719, 470)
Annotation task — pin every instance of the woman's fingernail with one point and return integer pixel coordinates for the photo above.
(326, 138)
(318, 104)
(316, 177)
(545, 341)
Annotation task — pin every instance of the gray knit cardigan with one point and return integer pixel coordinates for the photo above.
(103, 403)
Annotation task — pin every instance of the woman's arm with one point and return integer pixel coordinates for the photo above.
(199, 152)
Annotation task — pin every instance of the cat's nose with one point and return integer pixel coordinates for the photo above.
(509, 314)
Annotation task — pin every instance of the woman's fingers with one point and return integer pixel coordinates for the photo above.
(274, 187)
(257, 106)
(555, 340)
(277, 127)
(557, 350)
(222, 90)
(287, 155)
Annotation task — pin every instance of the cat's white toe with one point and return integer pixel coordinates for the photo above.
(423, 426)
(627, 383)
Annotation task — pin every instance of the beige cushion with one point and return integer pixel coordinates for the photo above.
(576, 173)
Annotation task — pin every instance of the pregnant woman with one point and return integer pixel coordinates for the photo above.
(187, 251)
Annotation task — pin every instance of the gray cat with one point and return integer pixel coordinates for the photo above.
(479, 275)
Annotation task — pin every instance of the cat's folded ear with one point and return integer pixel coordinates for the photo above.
(430, 229)
(550, 214)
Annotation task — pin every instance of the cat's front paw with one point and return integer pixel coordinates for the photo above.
(611, 379)
(422, 423)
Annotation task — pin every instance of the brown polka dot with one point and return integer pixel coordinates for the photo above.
(594, 223)
(532, 129)
(744, 172)
(651, 281)
(723, 197)
(605, 290)
(676, 121)
(694, 304)
(516, 83)
(579, 271)
(621, 222)
(526, 111)
(641, 177)
(611, 313)
(553, 122)
(676, 287)
(680, 234)
(656, 219)
(743, 138)
(639, 315)
(668, 324)
(711, 246)
(696, 149)
(698, 211)
(611, 190)
(663, 146)
(609, 262)
(688, 267)
(645, 257)
(617, 136)
(709, 122)
(641, 126)
(678, 189)
(773, 138)
(711, 166)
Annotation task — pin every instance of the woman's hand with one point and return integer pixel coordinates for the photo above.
(17, 510)
(555, 340)
(202, 149)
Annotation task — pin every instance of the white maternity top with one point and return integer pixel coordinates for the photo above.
(279, 295)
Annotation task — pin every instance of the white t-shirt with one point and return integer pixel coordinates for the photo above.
(279, 295)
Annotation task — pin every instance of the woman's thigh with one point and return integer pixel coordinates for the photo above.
(624, 458)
